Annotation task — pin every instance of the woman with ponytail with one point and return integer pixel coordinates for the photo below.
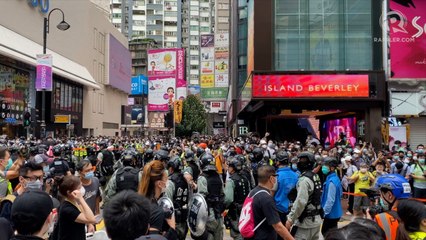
(413, 220)
(152, 186)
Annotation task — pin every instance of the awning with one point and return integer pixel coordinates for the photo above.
(25, 50)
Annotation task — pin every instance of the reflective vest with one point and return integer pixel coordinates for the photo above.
(389, 224)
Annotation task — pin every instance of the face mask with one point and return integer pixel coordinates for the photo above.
(34, 185)
(384, 205)
(46, 169)
(406, 160)
(89, 175)
(325, 170)
(83, 191)
(420, 151)
(9, 165)
(294, 166)
(409, 155)
(356, 155)
(395, 157)
(363, 170)
(415, 158)
(275, 187)
(422, 161)
(163, 189)
(325, 155)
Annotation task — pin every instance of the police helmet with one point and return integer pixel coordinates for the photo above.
(189, 155)
(235, 164)
(57, 150)
(308, 163)
(330, 161)
(149, 154)
(102, 144)
(207, 163)
(175, 163)
(200, 151)
(161, 155)
(90, 151)
(282, 157)
(395, 183)
(257, 154)
(241, 158)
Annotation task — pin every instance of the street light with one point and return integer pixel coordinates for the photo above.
(63, 26)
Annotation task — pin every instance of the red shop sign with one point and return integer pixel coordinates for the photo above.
(309, 86)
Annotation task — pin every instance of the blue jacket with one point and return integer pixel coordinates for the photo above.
(287, 180)
(331, 195)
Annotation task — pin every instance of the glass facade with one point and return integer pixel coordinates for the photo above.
(242, 43)
(323, 35)
(67, 97)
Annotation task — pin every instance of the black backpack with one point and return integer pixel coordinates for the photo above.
(107, 165)
(127, 178)
(242, 188)
(314, 198)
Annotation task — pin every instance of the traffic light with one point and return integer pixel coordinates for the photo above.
(27, 119)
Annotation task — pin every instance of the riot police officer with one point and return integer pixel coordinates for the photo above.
(236, 190)
(177, 190)
(192, 170)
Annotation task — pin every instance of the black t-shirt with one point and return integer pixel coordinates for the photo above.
(68, 228)
(264, 206)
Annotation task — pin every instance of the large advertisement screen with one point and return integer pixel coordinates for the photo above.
(120, 65)
(309, 86)
(407, 26)
(331, 129)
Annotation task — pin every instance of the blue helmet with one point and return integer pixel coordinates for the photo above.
(396, 183)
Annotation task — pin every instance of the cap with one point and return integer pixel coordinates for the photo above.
(40, 158)
(356, 150)
(31, 207)
(202, 145)
(348, 158)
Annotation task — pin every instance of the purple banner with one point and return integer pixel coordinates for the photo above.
(120, 65)
(44, 72)
(207, 40)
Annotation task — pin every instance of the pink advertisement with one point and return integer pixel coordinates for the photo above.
(180, 78)
(44, 72)
(331, 129)
(161, 93)
(407, 26)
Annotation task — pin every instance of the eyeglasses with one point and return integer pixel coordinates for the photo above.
(34, 178)
(274, 175)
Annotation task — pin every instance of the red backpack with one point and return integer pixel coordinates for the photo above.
(246, 221)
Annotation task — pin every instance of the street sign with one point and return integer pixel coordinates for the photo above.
(62, 118)
(222, 113)
(218, 124)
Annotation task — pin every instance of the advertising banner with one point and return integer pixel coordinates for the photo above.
(310, 86)
(136, 88)
(207, 54)
(207, 40)
(194, 90)
(162, 62)
(137, 114)
(222, 40)
(331, 129)
(120, 65)
(207, 67)
(221, 53)
(161, 93)
(221, 66)
(180, 78)
(407, 26)
(178, 109)
(207, 81)
(44, 72)
(156, 120)
(214, 93)
(221, 80)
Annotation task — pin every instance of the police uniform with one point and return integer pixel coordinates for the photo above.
(111, 187)
(178, 191)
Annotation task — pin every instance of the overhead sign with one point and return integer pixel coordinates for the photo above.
(218, 124)
(310, 86)
(62, 118)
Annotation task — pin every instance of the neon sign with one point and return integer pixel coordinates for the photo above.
(42, 4)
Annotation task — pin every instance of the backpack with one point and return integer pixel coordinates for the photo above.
(246, 221)
(127, 178)
(314, 198)
(6, 213)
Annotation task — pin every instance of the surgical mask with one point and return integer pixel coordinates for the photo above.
(9, 164)
(356, 155)
(409, 155)
(325, 170)
(294, 166)
(275, 187)
(422, 161)
(89, 175)
(325, 155)
(384, 205)
(82, 191)
(35, 185)
(395, 157)
(363, 170)
(415, 158)
(420, 150)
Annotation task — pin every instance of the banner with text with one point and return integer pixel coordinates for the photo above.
(44, 72)
(310, 86)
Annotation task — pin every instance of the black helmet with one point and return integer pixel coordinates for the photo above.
(34, 150)
(200, 151)
(282, 157)
(90, 151)
(161, 155)
(57, 150)
(207, 163)
(330, 161)
(257, 154)
(189, 155)
(235, 164)
(241, 158)
(175, 163)
(67, 148)
(308, 163)
(102, 144)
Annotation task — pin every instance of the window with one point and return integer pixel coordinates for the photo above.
(95, 35)
(101, 103)
(323, 34)
(94, 100)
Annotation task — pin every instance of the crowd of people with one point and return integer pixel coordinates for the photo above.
(171, 188)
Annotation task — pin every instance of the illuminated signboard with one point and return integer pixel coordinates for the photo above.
(309, 86)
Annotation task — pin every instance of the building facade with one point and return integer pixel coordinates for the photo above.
(85, 69)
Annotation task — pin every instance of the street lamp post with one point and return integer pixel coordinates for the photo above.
(63, 26)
